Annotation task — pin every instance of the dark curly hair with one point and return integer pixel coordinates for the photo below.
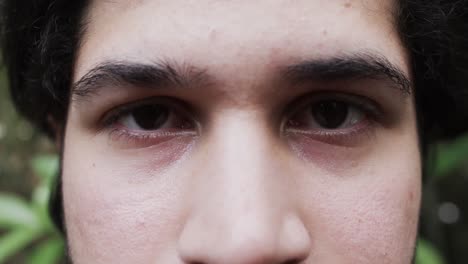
(41, 37)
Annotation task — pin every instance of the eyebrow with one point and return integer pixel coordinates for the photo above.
(356, 66)
(163, 74)
(123, 73)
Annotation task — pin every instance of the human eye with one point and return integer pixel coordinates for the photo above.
(148, 122)
(334, 118)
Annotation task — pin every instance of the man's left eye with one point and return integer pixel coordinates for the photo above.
(331, 114)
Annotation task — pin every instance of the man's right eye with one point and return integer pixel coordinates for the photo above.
(150, 117)
(147, 117)
(149, 122)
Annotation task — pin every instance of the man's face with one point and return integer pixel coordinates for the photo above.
(241, 132)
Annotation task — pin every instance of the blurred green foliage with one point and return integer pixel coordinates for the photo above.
(26, 223)
(450, 157)
(427, 254)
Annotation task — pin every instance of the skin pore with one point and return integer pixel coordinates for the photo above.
(194, 134)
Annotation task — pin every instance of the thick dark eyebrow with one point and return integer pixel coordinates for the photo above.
(356, 66)
(122, 73)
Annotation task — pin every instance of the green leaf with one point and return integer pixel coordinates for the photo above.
(41, 195)
(48, 252)
(13, 242)
(15, 211)
(42, 214)
(46, 167)
(450, 156)
(427, 254)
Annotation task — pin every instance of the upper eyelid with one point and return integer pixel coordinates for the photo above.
(303, 101)
(112, 115)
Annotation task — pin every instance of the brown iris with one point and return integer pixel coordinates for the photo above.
(330, 114)
(150, 117)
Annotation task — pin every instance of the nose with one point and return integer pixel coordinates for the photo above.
(242, 209)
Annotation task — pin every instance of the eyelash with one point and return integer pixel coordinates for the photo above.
(142, 139)
(372, 111)
(112, 116)
(117, 133)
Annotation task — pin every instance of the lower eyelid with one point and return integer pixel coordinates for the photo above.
(346, 137)
(131, 139)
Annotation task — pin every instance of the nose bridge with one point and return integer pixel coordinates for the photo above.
(243, 168)
(238, 215)
(244, 144)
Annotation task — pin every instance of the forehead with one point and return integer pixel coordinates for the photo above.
(218, 33)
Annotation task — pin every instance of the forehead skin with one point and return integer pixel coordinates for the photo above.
(273, 31)
(218, 203)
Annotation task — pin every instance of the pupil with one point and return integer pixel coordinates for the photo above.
(150, 117)
(330, 114)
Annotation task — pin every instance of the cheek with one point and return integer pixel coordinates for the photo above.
(367, 214)
(331, 158)
(378, 223)
(121, 206)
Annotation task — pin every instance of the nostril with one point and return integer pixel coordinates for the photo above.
(292, 261)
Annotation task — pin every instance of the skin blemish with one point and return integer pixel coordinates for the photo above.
(141, 223)
(411, 195)
(348, 5)
(324, 32)
(213, 34)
